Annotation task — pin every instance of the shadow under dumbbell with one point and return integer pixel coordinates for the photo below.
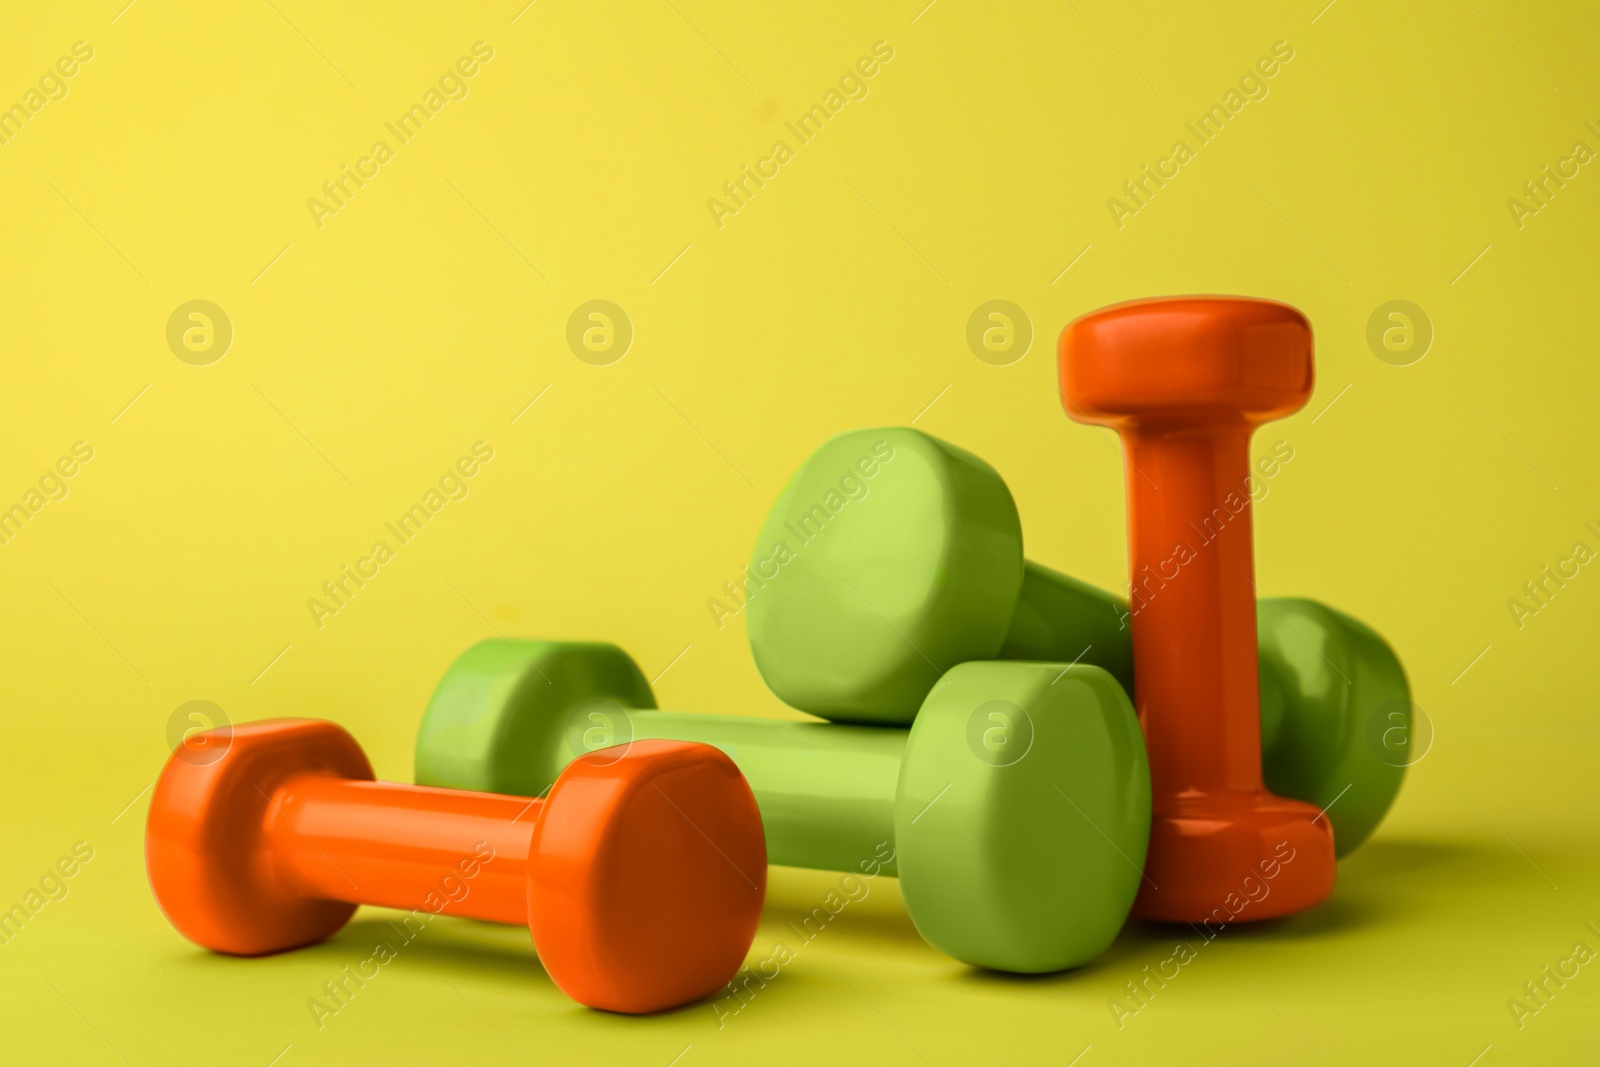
(1395, 859)
(506, 952)
(1388, 880)
(1335, 915)
(1140, 941)
(1403, 877)
(806, 903)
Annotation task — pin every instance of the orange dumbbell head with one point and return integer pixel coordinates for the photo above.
(647, 875)
(203, 836)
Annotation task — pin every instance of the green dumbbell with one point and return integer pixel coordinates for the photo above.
(892, 556)
(1015, 811)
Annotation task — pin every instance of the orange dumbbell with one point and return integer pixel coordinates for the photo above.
(1185, 381)
(641, 875)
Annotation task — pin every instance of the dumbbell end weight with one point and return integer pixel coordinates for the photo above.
(1347, 746)
(1023, 814)
(509, 715)
(890, 557)
(204, 828)
(647, 875)
(1175, 363)
(1211, 853)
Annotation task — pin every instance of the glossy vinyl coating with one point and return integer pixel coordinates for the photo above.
(1186, 381)
(203, 838)
(1316, 746)
(1034, 862)
(1186, 361)
(641, 875)
(472, 743)
(890, 557)
(1323, 676)
(648, 872)
(827, 794)
(1058, 617)
(1330, 676)
(857, 798)
(393, 845)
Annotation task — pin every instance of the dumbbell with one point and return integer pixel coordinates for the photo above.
(1185, 382)
(641, 875)
(1015, 810)
(892, 555)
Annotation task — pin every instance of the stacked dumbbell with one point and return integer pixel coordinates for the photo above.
(859, 623)
(979, 703)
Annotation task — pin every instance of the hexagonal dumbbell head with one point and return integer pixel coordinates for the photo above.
(1016, 809)
(203, 838)
(890, 557)
(1336, 722)
(1023, 814)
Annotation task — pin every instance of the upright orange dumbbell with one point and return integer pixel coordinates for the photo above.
(641, 875)
(1185, 381)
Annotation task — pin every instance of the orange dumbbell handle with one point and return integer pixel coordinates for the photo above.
(1194, 621)
(447, 851)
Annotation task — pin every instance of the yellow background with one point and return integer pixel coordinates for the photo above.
(427, 313)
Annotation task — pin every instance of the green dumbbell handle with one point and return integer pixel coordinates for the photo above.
(508, 717)
(826, 792)
(1061, 618)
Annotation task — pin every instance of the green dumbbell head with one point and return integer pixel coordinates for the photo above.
(1024, 813)
(1335, 715)
(509, 715)
(890, 557)
(1016, 810)
(915, 564)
